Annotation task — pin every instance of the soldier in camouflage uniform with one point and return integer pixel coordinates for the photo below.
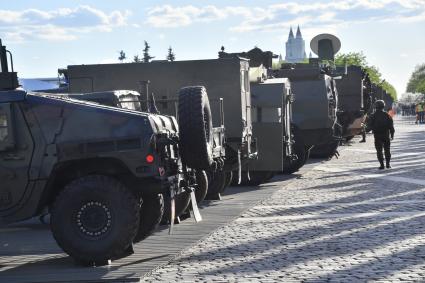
(382, 126)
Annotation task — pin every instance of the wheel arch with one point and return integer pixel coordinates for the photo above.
(64, 172)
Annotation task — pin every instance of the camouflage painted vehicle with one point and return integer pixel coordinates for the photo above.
(224, 79)
(101, 171)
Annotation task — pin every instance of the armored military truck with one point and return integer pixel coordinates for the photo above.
(316, 104)
(271, 122)
(225, 79)
(315, 107)
(101, 171)
(273, 97)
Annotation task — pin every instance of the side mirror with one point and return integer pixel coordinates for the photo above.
(7, 135)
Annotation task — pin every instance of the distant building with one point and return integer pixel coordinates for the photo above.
(295, 47)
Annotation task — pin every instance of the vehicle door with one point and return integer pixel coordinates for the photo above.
(16, 148)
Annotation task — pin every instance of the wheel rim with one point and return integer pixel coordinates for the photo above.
(94, 219)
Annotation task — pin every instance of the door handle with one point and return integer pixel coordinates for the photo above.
(13, 157)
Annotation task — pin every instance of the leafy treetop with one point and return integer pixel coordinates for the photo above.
(146, 56)
(417, 80)
(122, 56)
(171, 56)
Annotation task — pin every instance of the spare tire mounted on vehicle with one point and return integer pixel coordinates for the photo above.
(195, 125)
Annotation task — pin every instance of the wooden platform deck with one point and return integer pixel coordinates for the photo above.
(28, 252)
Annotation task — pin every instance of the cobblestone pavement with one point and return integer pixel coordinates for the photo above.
(343, 221)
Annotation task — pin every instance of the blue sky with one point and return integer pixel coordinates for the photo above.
(45, 35)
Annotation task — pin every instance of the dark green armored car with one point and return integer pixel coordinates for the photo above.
(101, 171)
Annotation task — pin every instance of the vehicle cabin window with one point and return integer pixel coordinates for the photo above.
(130, 101)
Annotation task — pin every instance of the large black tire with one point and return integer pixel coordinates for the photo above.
(325, 151)
(195, 125)
(201, 189)
(95, 219)
(151, 212)
(229, 179)
(181, 202)
(216, 184)
(259, 177)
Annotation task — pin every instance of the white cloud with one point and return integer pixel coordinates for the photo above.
(276, 16)
(327, 17)
(167, 16)
(412, 19)
(61, 24)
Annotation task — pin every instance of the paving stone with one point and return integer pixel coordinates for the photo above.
(343, 221)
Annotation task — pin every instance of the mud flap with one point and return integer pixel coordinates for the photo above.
(172, 210)
(195, 210)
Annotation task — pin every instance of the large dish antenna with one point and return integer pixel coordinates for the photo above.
(325, 46)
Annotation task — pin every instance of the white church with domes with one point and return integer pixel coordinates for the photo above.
(295, 47)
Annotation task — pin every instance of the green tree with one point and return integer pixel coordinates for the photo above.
(122, 56)
(417, 80)
(171, 56)
(421, 87)
(136, 59)
(359, 59)
(146, 56)
(351, 58)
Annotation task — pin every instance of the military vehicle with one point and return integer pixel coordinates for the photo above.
(132, 100)
(315, 108)
(272, 113)
(354, 96)
(271, 122)
(226, 81)
(378, 93)
(316, 99)
(101, 171)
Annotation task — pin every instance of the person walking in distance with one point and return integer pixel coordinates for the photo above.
(382, 126)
